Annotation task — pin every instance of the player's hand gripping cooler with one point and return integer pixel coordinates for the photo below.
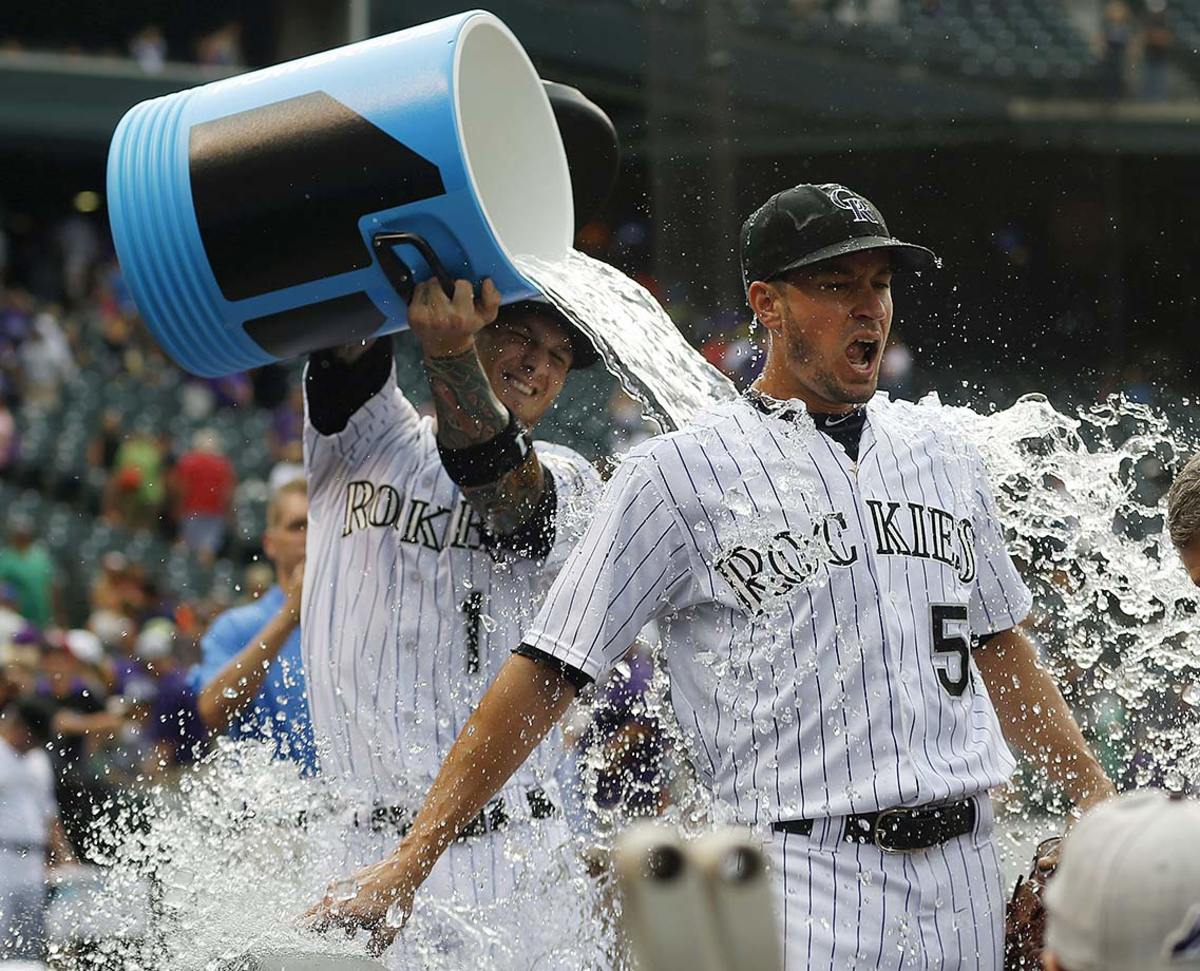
(267, 215)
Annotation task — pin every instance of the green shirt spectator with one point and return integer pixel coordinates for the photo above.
(28, 568)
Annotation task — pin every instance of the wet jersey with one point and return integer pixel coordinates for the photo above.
(407, 616)
(818, 613)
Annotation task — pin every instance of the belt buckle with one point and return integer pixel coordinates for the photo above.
(877, 832)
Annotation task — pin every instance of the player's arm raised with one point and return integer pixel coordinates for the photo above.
(482, 446)
(1035, 718)
(524, 702)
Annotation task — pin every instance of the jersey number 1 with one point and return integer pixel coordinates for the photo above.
(949, 645)
(472, 609)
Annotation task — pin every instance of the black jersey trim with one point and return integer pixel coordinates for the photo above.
(336, 390)
(579, 679)
(845, 429)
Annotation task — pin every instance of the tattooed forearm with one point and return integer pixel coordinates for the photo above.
(468, 411)
(506, 504)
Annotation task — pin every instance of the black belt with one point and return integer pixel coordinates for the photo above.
(492, 817)
(899, 830)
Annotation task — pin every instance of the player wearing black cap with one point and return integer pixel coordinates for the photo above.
(841, 627)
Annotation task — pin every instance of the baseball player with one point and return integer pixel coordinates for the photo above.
(429, 546)
(840, 624)
(1183, 517)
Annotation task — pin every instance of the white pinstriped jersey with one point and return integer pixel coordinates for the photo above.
(816, 611)
(406, 617)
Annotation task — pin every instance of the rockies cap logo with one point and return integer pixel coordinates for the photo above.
(851, 201)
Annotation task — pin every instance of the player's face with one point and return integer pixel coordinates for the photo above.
(829, 325)
(526, 357)
(284, 542)
(1190, 555)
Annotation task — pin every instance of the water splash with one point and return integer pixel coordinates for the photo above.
(638, 342)
(1116, 615)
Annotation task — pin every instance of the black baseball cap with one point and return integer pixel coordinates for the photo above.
(807, 224)
(583, 352)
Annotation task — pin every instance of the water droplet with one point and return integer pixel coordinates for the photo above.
(396, 915)
(1191, 695)
(343, 889)
(489, 622)
(229, 693)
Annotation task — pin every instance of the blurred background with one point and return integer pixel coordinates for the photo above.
(1046, 149)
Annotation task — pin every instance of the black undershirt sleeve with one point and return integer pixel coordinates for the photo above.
(577, 678)
(336, 390)
(534, 538)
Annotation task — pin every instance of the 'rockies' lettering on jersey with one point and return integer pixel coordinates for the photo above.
(818, 612)
(417, 520)
(755, 575)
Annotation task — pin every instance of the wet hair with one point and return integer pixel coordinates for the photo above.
(296, 487)
(583, 353)
(1183, 504)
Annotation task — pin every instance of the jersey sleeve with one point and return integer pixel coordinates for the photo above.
(999, 598)
(354, 412)
(629, 568)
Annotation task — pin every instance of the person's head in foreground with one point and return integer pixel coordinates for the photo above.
(1126, 896)
(1183, 516)
(817, 264)
(526, 353)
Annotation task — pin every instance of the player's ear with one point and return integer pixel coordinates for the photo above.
(767, 303)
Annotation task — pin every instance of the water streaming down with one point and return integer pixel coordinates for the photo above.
(637, 340)
(242, 846)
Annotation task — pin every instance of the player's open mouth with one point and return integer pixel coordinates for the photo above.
(521, 386)
(862, 354)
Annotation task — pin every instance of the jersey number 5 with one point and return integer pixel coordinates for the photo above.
(950, 644)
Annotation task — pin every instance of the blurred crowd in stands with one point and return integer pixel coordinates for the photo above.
(148, 47)
(1143, 49)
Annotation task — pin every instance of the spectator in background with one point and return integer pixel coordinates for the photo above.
(221, 48)
(79, 248)
(30, 832)
(29, 569)
(46, 362)
(1156, 51)
(106, 443)
(149, 48)
(11, 621)
(135, 491)
(118, 588)
(82, 720)
(202, 485)
(174, 728)
(8, 437)
(250, 680)
(1116, 32)
(1183, 516)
